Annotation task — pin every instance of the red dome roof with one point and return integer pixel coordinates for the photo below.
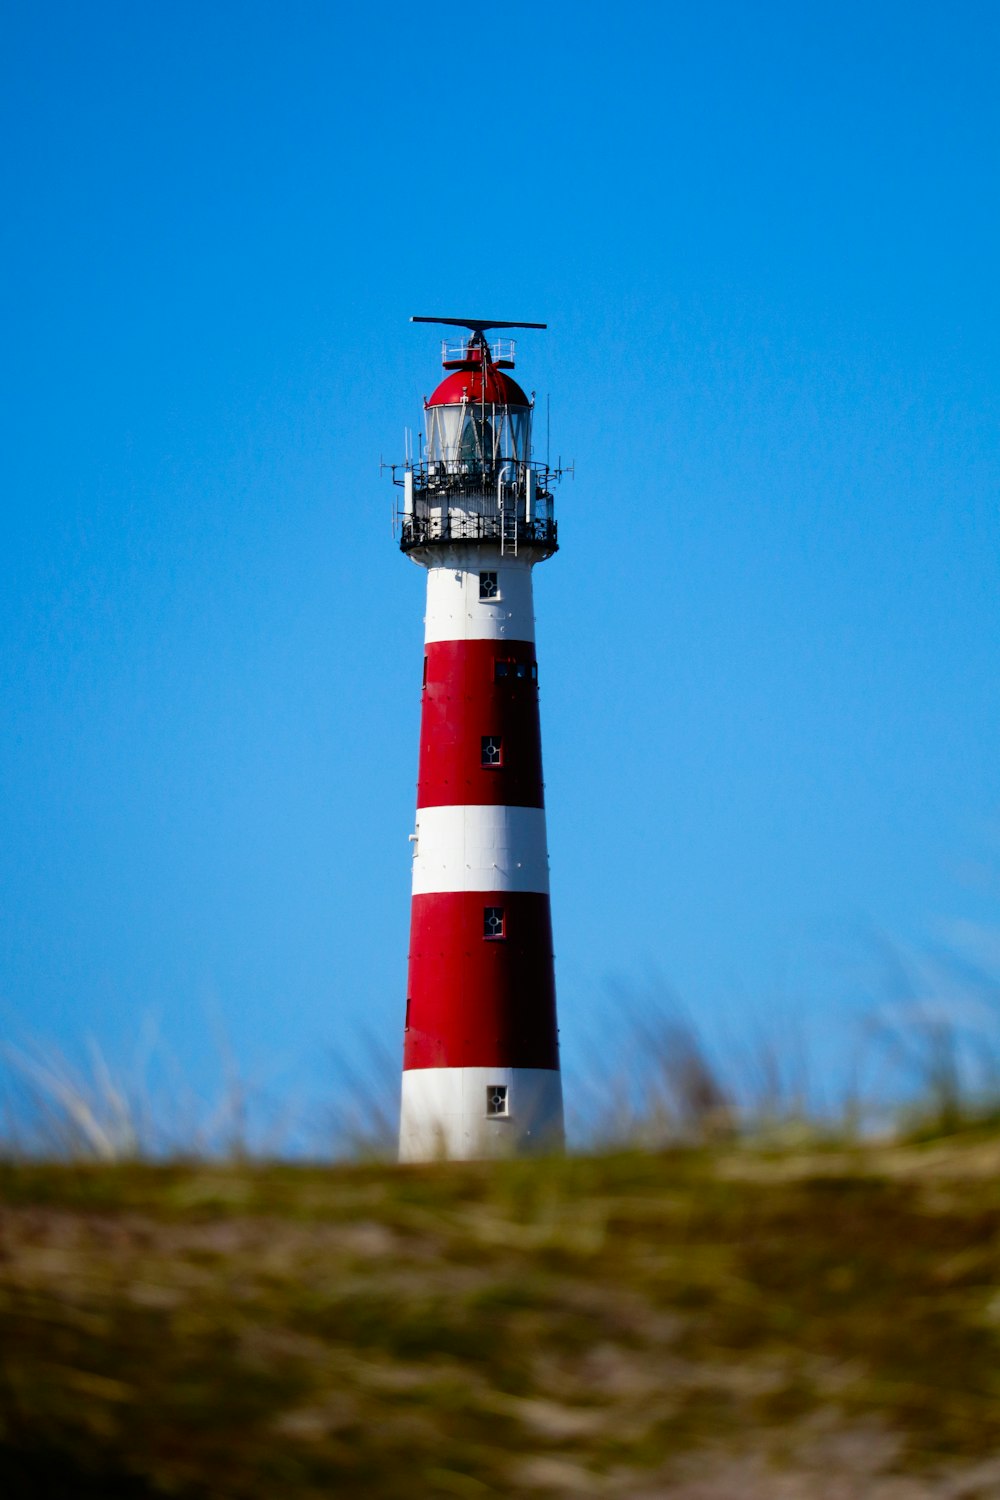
(493, 387)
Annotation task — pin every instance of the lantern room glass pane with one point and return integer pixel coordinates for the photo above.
(517, 434)
(444, 430)
(470, 435)
(477, 437)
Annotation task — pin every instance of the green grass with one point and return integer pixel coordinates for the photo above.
(623, 1325)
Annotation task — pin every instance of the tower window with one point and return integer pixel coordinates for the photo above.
(425, 671)
(493, 922)
(521, 671)
(492, 750)
(488, 586)
(496, 1099)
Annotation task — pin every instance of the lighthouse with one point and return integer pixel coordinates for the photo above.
(480, 1053)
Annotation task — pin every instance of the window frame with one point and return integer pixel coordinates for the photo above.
(494, 937)
(503, 1090)
(484, 741)
(494, 576)
(508, 669)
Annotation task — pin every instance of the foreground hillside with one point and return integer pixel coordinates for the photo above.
(700, 1325)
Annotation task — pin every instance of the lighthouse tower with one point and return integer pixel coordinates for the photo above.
(481, 1053)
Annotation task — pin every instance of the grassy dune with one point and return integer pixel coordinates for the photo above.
(699, 1324)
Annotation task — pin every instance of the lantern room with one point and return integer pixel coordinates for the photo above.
(473, 479)
(478, 418)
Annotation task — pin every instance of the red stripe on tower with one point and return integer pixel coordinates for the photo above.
(481, 981)
(480, 739)
(480, 1057)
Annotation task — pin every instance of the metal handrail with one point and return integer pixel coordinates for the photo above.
(443, 474)
(429, 531)
(455, 350)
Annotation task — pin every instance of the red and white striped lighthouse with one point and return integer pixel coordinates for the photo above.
(481, 1053)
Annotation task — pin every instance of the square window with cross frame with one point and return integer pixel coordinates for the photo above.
(496, 1100)
(494, 925)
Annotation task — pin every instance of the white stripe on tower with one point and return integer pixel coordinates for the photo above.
(480, 848)
(443, 1111)
(455, 611)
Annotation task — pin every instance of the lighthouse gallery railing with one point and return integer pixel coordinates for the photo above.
(472, 502)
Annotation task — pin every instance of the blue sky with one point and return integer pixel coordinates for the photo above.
(765, 239)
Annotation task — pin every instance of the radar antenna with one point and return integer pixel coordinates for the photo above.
(477, 325)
